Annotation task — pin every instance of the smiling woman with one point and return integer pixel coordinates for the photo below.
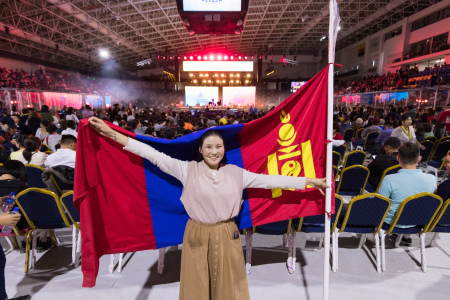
(212, 261)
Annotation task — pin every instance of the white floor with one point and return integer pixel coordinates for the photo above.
(54, 277)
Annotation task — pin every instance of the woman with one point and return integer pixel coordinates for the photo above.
(45, 114)
(71, 116)
(53, 137)
(212, 261)
(405, 132)
(41, 132)
(32, 154)
(34, 122)
(19, 144)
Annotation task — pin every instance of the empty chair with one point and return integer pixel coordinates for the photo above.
(349, 133)
(352, 181)
(354, 158)
(425, 153)
(417, 212)
(365, 215)
(35, 176)
(341, 150)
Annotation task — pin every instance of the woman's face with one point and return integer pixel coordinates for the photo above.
(212, 151)
(407, 122)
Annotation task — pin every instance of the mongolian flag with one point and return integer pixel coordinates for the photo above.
(127, 204)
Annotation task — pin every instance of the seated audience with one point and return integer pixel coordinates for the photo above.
(31, 154)
(407, 182)
(19, 144)
(136, 125)
(427, 130)
(65, 156)
(383, 161)
(384, 134)
(345, 125)
(53, 137)
(70, 129)
(405, 132)
(41, 132)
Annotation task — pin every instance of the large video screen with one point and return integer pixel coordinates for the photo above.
(295, 85)
(211, 5)
(201, 95)
(239, 95)
(218, 66)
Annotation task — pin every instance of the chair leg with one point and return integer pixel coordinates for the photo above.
(248, 251)
(78, 250)
(53, 238)
(111, 264)
(74, 244)
(377, 246)
(362, 240)
(399, 239)
(292, 252)
(119, 268)
(11, 246)
(383, 250)
(27, 250)
(162, 254)
(422, 252)
(33, 247)
(433, 240)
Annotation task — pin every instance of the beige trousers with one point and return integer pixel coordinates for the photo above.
(212, 263)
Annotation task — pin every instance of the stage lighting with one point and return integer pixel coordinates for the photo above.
(246, 81)
(239, 57)
(191, 75)
(225, 57)
(219, 57)
(206, 75)
(170, 57)
(221, 75)
(104, 53)
(231, 81)
(248, 75)
(209, 81)
(158, 56)
(184, 57)
(199, 57)
(204, 81)
(245, 57)
(252, 56)
(195, 81)
(191, 31)
(231, 75)
(224, 81)
(238, 75)
(191, 57)
(205, 57)
(218, 81)
(211, 57)
(201, 75)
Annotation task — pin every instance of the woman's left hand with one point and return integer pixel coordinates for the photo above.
(422, 146)
(319, 183)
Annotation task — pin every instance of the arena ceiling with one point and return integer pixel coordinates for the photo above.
(70, 32)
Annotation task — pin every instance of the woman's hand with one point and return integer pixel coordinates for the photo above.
(422, 146)
(319, 183)
(7, 219)
(101, 127)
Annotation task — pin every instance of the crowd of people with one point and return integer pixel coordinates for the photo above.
(401, 79)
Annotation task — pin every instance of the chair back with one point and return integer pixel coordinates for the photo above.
(370, 136)
(432, 139)
(440, 151)
(429, 145)
(275, 228)
(42, 209)
(356, 157)
(61, 185)
(445, 138)
(418, 210)
(67, 204)
(336, 158)
(349, 133)
(58, 146)
(319, 220)
(388, 171)
(35, 176)
(366, 210)
(335, 171)
(352, 180)
(45, 148)
(341, 150)
(443, 217)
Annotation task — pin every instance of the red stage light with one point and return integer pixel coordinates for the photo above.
(158, 56)
(231, 57)
(185, 57)
(191, 57)
(219, 57)
(170, 57)
(245, 57)
(199, 57)
(205, 57)
(225, 57)
(178, 57)
(211, 57)
(240, 57)
(260, 57)
(164, 57)
(252, 56)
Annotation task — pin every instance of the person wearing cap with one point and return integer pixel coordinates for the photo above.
(358, 124)
(383, 161)
(223, 121)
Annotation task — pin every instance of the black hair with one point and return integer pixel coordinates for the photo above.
(207, 134)
(150, 130)
(388, 124)
(31, 144)
(169, 134)
(134, 123)
(405, 117)
(336, 126)
(419, 128)
(427, 127)
(16, 169)
(88, 107)
(409, 153)
(51, 128)
(181, 123)
(21, 139)
(67, 139)
(71, 124)
(70, 111)
(44, 109)
(45, 123)
(393, 142)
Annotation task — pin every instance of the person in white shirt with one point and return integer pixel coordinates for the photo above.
(31, 154)
(65, 156)
(71, 116)
(41, 132)
(70, 129)
(53, 137)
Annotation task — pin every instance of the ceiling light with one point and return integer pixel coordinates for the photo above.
(104, 53)
(191, 31)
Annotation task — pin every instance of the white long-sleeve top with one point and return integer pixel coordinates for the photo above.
(211, 196)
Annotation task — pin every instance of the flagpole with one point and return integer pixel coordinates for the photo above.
(326, 257)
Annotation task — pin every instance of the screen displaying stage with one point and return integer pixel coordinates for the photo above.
(218, 66)
(296, 85)
(211, 5)
(239, 95)
(201, 95)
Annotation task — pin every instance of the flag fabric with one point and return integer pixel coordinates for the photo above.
(127, 204)
(334, 9)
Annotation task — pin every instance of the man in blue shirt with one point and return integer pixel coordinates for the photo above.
(407, 182)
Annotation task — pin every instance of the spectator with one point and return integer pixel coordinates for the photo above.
(445, 117)
(407, 182)
(65, 156)
(383, 161)
(71, 116)
(150, 131)
(427, 130)
(384, 134)
(345, 125)
(443, 189)
(180, 128)
(117, 120)
(41, 132)
(19, 144)
(439, 130)
(87, 113)
(371, 128)
(70, 129)
(187, 125)
(45, 114)
(406, 132)
(137, 127)
(53, 137)
(34, 122)
(420, 132)
(55, 116)
(31, 154)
